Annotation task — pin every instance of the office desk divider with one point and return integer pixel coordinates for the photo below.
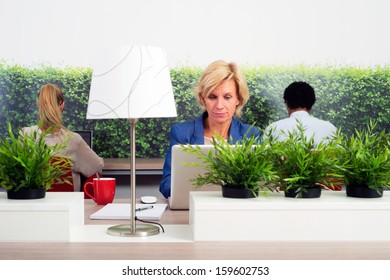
(53, 218)
(332, 217)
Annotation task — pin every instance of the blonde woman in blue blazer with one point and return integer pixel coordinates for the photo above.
(222, 92)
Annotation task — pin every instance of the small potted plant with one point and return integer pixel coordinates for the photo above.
(367, 157)
(242, 169)
(28, 166)
(303, 166)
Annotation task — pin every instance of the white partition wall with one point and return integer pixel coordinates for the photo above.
(332, 217)
(52, 218)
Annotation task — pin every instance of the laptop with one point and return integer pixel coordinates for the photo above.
(87, 135)
(181, 176)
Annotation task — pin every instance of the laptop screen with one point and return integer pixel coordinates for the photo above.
(86, 135)
(181, 175)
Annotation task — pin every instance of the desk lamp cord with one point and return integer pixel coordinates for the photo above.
(149, 222)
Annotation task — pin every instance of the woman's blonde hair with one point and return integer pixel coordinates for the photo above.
(217, 72)
(50, 98)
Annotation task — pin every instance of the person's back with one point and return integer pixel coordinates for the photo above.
(322, 130)
(50, 105)
(299, 98)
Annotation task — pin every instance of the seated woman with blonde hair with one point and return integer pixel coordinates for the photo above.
(222, 92)
(50, 106)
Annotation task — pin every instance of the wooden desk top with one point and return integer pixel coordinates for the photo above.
(170, 217)
(141, 163)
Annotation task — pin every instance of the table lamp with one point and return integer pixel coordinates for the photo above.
(131, 82)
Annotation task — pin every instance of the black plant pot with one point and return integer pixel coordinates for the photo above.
(311, 192)
(357, 190)
(27, 194)
(236, 192)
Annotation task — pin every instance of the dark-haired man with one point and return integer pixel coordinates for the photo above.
(299, 98)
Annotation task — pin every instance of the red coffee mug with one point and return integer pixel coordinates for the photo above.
(103, 190)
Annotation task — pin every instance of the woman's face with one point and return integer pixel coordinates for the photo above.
(221, 103)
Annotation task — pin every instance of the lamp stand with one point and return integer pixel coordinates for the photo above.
(132, 229)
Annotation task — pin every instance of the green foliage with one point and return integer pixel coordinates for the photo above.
(301, 163)
(243, 165)
(27, 162)
(348, 97)
(367, 154)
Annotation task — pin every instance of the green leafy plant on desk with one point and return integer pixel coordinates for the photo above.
(28, 163)
(367, 157)
(242, 166)
(302, 165)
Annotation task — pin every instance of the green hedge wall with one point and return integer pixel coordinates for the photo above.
(347, 96)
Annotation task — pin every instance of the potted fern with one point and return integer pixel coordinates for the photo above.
(242, 169)
(304, 167)
(28, 166)
(367, 157)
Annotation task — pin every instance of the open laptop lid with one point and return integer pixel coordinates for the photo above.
(181, 176)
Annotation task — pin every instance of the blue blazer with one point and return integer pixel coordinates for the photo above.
(192, 132)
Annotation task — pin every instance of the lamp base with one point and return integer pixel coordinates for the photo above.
(140, 230)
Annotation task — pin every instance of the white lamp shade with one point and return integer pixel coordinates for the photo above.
(131, 82)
